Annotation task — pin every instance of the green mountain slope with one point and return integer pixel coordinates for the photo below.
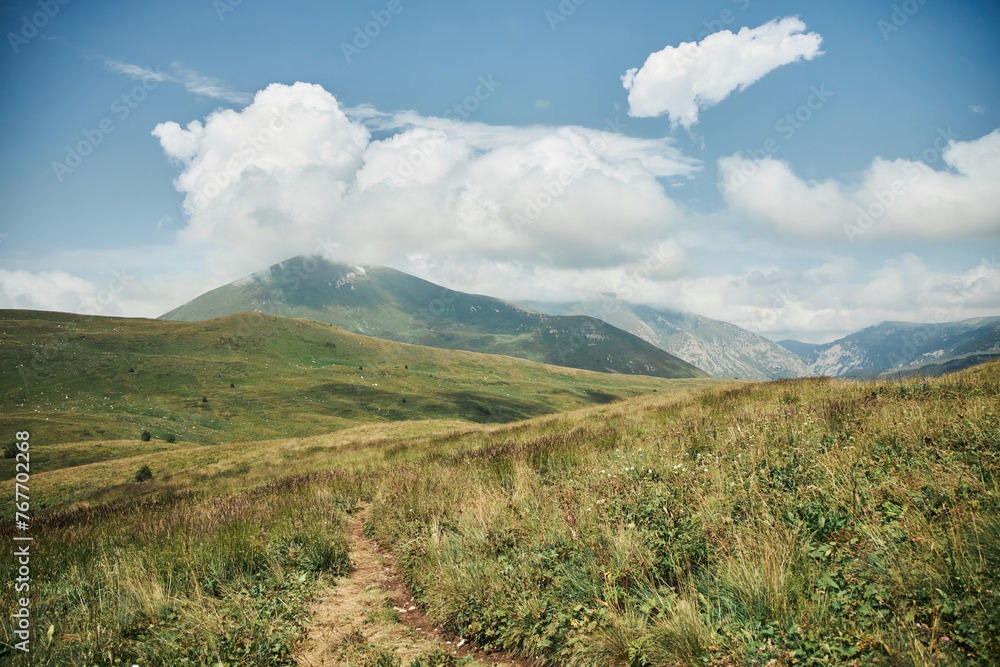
(720, 348)
(904, 347)
(389, 304)
(72, 378)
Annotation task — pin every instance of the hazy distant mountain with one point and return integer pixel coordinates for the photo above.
(390, 304)
(904, 347)
(722, 349)
(798, 348)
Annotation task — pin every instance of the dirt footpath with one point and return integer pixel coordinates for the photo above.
(370, 615)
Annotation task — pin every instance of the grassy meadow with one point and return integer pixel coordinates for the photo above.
(810, 522)
(792, 522)
(75, 378)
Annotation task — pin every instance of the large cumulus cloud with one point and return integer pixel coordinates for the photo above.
(293, 171)
(896, 200)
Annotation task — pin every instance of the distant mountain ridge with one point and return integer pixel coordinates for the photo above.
(389, 304)
(720, 348)
(603, 334)
(892, 347)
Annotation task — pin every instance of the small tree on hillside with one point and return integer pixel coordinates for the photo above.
(145, 436)
(142, 474)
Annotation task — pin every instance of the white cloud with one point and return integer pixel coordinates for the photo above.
(292, 171)
(452, 201)
(897, 199)
(516, 281)
(48, 290)
(146, 282)
(975, 108)
(193, 82)
(682, 80)
(207, 86)
(660, 157)
(834, 298)
(136, 72)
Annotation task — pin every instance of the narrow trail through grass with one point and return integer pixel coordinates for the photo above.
(369, 618)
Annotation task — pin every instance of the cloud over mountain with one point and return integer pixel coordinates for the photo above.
(293, 171)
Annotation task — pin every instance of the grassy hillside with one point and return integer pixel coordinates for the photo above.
(385, 303)
(719, 348)
(792, 522)
(73, 378)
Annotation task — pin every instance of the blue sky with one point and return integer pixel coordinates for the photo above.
(116, 235)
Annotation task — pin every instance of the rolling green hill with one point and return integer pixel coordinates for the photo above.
(389, 304)
(73, 378)
(811, 522)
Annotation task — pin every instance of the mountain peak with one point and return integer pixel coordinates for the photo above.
(387, 303)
